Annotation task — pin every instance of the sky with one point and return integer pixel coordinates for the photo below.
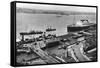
(56, 7)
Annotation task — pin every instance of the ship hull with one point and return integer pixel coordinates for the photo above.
(78, 28)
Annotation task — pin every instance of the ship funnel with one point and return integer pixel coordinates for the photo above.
(79, 23)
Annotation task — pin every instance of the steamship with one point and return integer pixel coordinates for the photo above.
(80, 25)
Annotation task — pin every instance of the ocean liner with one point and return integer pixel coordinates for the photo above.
(80, 25)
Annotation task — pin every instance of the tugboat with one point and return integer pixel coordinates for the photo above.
(50, 29)
(80, 25)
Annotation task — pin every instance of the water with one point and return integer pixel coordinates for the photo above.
(28, 21)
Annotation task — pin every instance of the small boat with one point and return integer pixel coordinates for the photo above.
(50, 29)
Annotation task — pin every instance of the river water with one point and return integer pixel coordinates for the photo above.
(26, 22)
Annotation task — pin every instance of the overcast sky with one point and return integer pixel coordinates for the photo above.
(57, 7)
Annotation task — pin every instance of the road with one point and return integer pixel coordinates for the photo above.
(77, 53)
(47, 58)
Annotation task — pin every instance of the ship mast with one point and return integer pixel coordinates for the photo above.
(74, 19)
